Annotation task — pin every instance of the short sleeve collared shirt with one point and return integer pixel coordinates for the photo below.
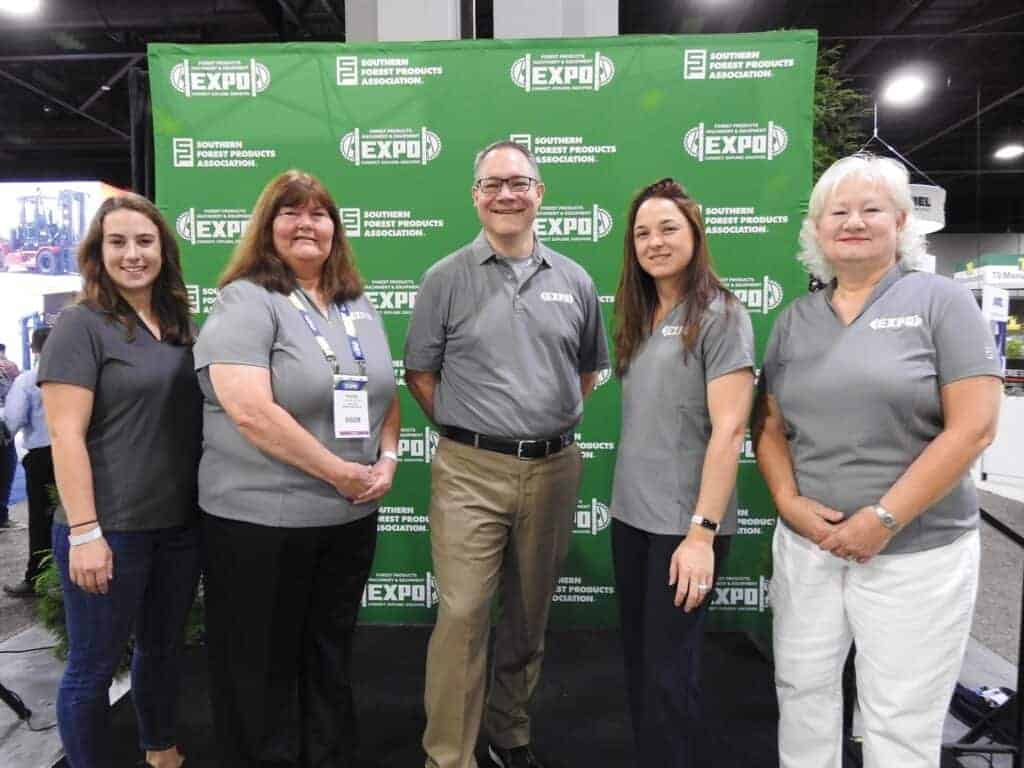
(861, 402)
(665, 420)
(253, 326)
(509, 353)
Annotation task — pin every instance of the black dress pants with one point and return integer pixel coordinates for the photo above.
(39, 483)
(281, 607)
(661, 647)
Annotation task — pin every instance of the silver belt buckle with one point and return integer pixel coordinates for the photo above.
(519, 449)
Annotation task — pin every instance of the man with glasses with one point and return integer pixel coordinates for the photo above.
(504, 343)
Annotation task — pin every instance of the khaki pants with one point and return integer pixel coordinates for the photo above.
(494, 520)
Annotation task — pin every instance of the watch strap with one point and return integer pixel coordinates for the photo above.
(704, 522)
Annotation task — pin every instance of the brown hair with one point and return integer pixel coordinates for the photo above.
(636, 297)
(170, 299)
(256, 259)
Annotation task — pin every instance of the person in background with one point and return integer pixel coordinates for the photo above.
(8, 455)
(23, 411)
(300, 444)
(876, 395)
(685, 355)
(125, 418)
(504, 344)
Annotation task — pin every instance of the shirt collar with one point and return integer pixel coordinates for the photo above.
(484, 252)
(895, 272)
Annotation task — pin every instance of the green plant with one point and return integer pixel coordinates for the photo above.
(50, 605)
(839, 110)
(1015, 348)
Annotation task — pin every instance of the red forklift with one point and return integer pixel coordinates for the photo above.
(50, 228)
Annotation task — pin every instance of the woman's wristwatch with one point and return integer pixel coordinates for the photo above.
(704, 522)
(887, 519)
(389, 455)
(84, 538)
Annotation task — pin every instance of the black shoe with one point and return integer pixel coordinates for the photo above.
(21, 589)
(517, 757)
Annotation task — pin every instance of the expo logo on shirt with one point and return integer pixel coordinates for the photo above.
(895, 323)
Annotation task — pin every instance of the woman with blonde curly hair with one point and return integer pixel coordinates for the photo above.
(876, 396)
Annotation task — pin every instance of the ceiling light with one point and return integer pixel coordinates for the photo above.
(20, 7)
(904, 89)
(1009, 152)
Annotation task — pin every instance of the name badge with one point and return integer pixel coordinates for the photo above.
(351, 407)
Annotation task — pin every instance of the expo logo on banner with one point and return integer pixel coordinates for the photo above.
(398, 366)
(741, 594)
(735, 141)
(747, 455)
(401, 520)
(364, 222)
(400, 590)
(572, 223)
(700, 64)
(212, 226)
(591, 517)
(562, 72)
(356, 71)
(390, 146)
(417, 445)
(757, 294)
(563, 150)
(220, 77)
(392, 297)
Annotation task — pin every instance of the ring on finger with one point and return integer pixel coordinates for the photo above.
(702, 587)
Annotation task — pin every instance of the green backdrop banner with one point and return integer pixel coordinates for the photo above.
(392, 130)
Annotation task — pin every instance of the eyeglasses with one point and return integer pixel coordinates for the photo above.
(491, 185)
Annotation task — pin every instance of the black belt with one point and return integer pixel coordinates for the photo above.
(521, 449)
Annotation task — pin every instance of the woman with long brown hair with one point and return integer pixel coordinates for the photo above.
(684, 354)
(124, 414)
(300, 437)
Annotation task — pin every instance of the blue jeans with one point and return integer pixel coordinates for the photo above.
(155, 577)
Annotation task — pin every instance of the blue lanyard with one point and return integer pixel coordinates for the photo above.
(350, 331)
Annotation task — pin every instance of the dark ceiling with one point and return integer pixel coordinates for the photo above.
(64, 114)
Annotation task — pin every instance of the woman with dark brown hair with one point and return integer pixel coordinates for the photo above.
(684, 354)
(124, 414)
(300, 437)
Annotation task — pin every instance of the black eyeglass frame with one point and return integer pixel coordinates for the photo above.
(478, 185)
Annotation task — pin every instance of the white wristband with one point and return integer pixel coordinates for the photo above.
(85, 538)
(389, 455)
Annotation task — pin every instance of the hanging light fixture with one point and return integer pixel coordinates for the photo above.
(1009, 151)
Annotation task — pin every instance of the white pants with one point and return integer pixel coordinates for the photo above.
(910, 616)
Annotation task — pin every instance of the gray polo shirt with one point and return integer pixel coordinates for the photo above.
(665, 421)
(253, 326)
(145, 428)
(861, 402)
(510, 353)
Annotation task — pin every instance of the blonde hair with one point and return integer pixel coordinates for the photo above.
(893, 177)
